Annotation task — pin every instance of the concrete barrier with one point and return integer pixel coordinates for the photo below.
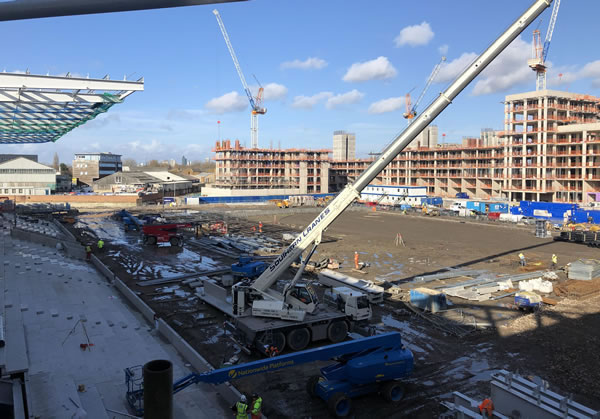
(108, 274)
(72, 249)
(136, 301)
(227, 391)
(64, 230)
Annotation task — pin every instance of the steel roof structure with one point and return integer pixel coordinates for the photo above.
(40, 109)
(32, 9)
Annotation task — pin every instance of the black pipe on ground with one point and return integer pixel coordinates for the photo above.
(158, 389)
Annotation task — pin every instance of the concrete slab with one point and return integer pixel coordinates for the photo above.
(57, 364)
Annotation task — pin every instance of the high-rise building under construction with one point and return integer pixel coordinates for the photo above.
(344, 145)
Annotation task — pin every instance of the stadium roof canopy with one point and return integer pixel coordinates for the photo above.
(40, 109)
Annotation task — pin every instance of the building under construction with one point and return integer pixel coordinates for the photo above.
(549, 150)
(268, 171)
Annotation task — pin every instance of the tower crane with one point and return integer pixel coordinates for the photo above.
(255, 102)
(411, 112)
(540, 51)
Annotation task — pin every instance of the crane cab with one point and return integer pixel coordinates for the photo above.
(303, 297)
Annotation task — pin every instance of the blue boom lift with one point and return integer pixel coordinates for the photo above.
(362, 366)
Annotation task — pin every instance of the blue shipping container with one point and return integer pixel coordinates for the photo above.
(432, 200)
(581, 216)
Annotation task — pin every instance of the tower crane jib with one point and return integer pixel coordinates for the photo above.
(256, 105)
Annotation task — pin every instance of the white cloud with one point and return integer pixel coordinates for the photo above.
(565, 75)
(453, 68)
(443, 49)
(508, 70)
(152, 147)
(353, 96)
(377, 69)
(386, 105)
(311, 63)
(308, 102)
(591, 70)
(229, 102)
(273, 91)
(414, 35)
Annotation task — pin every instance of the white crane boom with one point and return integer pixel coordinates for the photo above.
(255, 105)
(336, 207)
(432, 77)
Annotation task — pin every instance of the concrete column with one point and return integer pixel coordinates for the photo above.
(303, 177)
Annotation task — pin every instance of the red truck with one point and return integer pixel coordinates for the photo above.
(163, 233)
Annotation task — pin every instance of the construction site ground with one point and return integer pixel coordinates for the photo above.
(558, 343)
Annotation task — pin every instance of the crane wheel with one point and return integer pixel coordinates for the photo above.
(279, 341)
(337, 331)
(339, 405)
(298, 339)
(311, 385)
(151, 240)
(174, 241)
(392, 391)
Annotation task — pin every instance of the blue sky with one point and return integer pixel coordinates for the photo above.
(326, 66)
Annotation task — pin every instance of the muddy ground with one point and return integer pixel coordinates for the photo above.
(558, 344)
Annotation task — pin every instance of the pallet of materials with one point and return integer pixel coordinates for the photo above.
(330, 278)
(584, 269)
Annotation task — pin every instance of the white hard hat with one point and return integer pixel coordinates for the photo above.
(243, 398)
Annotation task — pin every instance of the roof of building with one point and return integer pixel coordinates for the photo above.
(7, 157)
(165, 176)
(555, 93)
(97, 154)
(41, 109)
(23, 163)
(131, 177)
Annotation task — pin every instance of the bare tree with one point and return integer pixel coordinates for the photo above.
(129, 162)
(56, 162)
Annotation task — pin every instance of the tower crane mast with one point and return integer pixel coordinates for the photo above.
(255, 104)
(540, 51)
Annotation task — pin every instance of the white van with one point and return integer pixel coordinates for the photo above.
(458, 205)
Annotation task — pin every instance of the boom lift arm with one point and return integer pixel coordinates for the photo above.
(351, 192)
(361, 364)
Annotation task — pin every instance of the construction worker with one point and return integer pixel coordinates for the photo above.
(100, 244)
(356, 260)
(88, 252)
(486, 408)
(260, 227)
(241, 408)
(554, 261)
(256, 406)
(522, 261)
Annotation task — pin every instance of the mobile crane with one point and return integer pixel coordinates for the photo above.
(363, 366)
(296, 316)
